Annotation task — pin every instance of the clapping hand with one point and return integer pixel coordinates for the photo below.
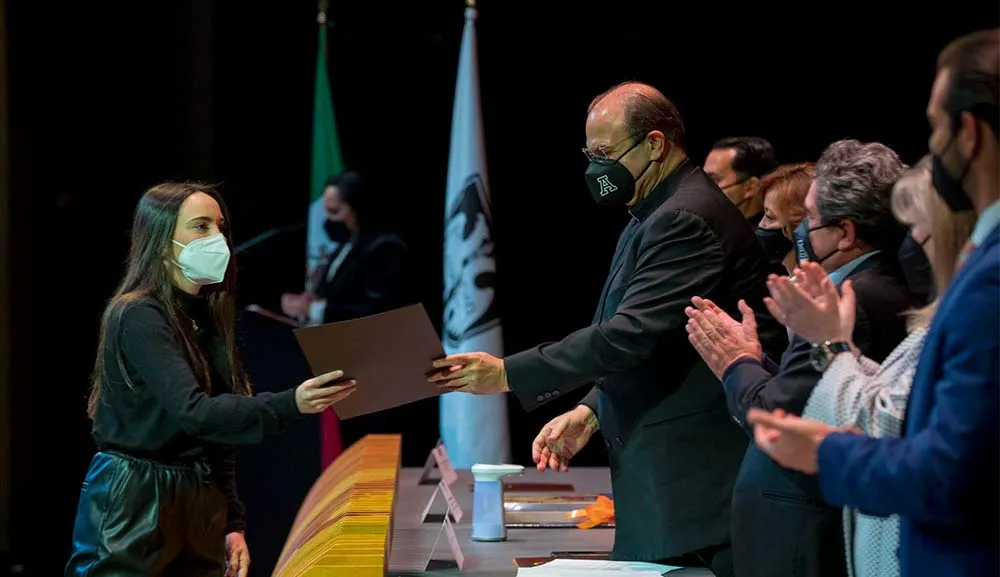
(790, 440)
(718, 338)
(810, 305)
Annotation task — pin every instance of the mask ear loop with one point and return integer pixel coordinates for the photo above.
(977, 142)
(628, 150)
(957, 121)
(821, 227)
(174, 261)
(648, 164)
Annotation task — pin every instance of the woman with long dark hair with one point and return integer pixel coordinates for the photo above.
(169, 399)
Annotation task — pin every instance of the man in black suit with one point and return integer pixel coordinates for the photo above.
(674, 450)
(781, 523)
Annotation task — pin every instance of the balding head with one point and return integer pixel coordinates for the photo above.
(639, 109)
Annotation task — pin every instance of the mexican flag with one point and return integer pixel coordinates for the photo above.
(326, 162)
(326, 158)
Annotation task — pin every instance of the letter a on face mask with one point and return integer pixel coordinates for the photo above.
(606, 185)
(609, 182)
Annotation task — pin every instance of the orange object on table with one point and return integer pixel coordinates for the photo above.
(593, 515)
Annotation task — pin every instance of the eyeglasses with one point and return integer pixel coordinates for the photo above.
(602, 152)
(732, 184)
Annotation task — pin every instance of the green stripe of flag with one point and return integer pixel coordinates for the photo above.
(326, 156)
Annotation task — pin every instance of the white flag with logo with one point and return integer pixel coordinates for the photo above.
(474, 428)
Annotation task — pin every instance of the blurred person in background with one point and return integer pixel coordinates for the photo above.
(737, 164)
(368, 271)
(367, 274)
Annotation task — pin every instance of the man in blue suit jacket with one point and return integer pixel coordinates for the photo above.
(942, 476)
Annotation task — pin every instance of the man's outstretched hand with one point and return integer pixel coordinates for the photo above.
(476, 373)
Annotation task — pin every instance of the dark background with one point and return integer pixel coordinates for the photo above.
(107, 99)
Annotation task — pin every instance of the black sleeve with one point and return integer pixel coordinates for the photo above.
(769, 365)
(153, 350)
(590, 400)
(679, 258)
(236, 512)
(748, 384)
(384, 264)
(752, 384)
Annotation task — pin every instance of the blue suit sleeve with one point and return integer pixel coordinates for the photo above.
(939, 474)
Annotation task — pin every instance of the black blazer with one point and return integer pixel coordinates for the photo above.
(674, 450)
(781, 523)
(370, 280)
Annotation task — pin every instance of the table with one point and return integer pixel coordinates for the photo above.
(413, 540)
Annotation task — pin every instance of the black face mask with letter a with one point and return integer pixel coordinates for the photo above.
(609, 181)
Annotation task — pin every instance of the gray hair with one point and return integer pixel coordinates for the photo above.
(854, 182)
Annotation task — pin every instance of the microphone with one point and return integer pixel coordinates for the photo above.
(266, 235)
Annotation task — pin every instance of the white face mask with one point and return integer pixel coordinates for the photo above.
(204, 260)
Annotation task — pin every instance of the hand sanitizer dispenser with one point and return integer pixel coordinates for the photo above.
(487, 501)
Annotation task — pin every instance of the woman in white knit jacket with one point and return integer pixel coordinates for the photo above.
(854, 390)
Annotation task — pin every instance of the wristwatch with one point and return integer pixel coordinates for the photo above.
(822, 354)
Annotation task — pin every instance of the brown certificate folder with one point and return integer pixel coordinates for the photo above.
(389, 354)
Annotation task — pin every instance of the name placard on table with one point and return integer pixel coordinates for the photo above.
(456, 549)
(439, 458)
